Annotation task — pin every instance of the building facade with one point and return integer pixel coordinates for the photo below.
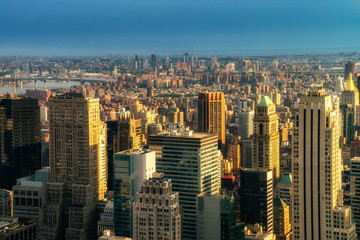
(20, 139)
(265, 141)
(317, 195)
(215, 218)
(192, 162)
(29, 194)
(354, 189)
(131, 167)
(211, 111)
(73, 188)
(157, 213)
(255, 198)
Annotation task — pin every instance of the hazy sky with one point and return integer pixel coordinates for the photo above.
(88, 27)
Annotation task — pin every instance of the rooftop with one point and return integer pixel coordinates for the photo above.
(265, 102)
(350, 86)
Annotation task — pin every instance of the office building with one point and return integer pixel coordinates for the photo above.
(153, 60)
(18, 229)
(73, 187)
(350, 96)
(122, 134)
(284, 191)
(128, 133)
(282, 225)
(20, 139)
(6, 203)
(266, 139)
(348, 118)
(317, 194)
(192, 162)
(211, 111)
(106, 221)
(157, 213)
(350, 68)
(131, 167)
(255, 232)
(246, 124)
(354, 189)
(255, 198)
(29, 194)
(103, 167)
(112, 129)
(215, 219)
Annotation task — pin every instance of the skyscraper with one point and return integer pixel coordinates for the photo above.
(73, 188)
(153, 61)
(157, 210)
(128, 133)
(192, 162)
(215, 219)
(350, 98)
(348, 117)
(103, 167)
(350, 67)
(354, 190)
(246, 124)
(266, 139)
(318, 211)
(131, 168)
(211, 111)
(122, 134)
(255, 198)
(20, 139)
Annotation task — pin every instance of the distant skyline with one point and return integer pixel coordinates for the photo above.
(228, 27)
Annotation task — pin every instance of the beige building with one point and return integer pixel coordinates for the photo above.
(157, 213)
(265, 140)
(317, 195)
(282, 225)
(350, 96)
(73, 188)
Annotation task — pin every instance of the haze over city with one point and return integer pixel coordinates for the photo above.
(90, 27)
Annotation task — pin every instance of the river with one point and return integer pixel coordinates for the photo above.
(40, 85)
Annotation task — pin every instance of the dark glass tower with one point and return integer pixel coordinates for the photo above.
(20, 139)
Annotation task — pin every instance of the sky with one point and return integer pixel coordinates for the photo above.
(228, 27)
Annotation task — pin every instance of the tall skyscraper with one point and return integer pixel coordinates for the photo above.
(215, 219)
(73, 188)
(255, 198)
(354, 191)
(157, 213)
(318, 211)
(265, 141)
(192, 162)
(350, 67)
(211, 111)
(131, 168)
(20, 139)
